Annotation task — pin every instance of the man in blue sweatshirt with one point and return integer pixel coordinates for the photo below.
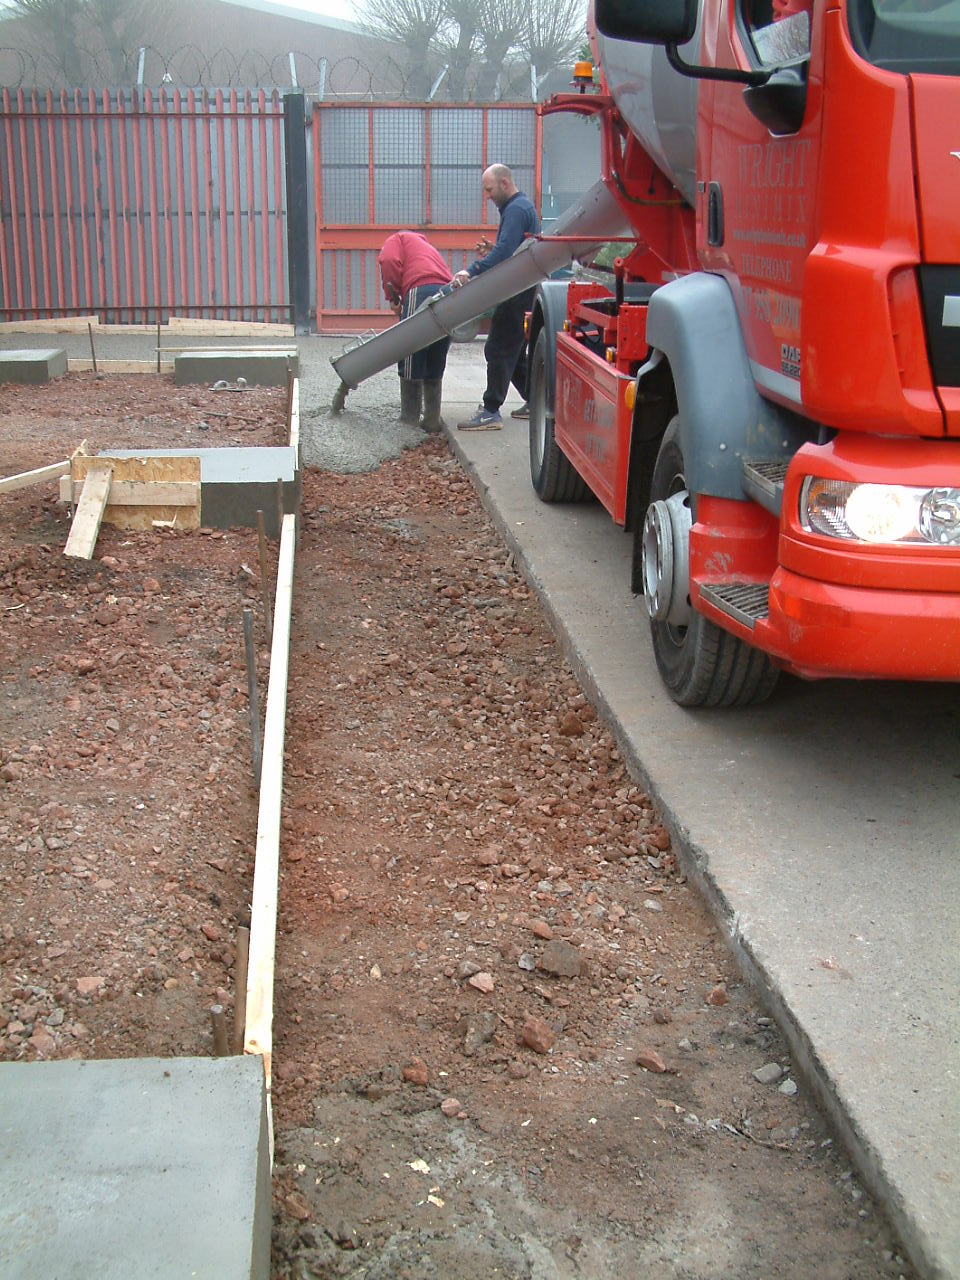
(505, 350)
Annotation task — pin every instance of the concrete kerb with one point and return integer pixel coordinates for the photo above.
(693, 862)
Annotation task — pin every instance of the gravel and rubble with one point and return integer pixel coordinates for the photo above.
(509, 1040)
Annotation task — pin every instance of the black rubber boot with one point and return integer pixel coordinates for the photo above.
(410, 400)
(431, 420)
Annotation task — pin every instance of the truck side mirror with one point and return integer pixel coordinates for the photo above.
(667, 22)
(650, 21)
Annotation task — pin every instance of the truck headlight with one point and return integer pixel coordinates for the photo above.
(892, 513)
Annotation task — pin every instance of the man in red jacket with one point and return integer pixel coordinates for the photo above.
(412, 270)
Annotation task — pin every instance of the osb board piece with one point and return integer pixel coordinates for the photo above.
(145, 470)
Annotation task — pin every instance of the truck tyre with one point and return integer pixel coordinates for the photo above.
(701, 664)
(554, 477)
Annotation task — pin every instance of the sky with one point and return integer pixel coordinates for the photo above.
(329, 8)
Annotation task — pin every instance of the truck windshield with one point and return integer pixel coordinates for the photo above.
(908, 36)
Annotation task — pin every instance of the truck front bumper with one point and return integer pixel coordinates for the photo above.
(816, 629)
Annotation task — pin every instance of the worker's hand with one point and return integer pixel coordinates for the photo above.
(483, 247)
(460, 278)
(395, 308)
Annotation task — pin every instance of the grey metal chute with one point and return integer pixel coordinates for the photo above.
(595, 218)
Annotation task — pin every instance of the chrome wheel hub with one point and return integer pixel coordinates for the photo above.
(666, 560)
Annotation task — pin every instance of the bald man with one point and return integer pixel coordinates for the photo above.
(505, 349)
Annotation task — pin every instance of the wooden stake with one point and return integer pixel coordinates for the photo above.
(240, 999)
(264, 589)
(93, 353)
(218, 1019)
(252, 693)
(280, 511)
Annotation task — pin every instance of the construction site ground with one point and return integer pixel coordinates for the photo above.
(509, 1038)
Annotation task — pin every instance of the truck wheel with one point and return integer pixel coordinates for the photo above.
(554, 477)
(701, 664)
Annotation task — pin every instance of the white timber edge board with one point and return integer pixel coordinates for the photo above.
(258, 348)
(77, 365)
(26, 478)
(176, 324)
(295, 420)
(258, 1033)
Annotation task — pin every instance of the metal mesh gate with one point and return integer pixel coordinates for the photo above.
(378, 169)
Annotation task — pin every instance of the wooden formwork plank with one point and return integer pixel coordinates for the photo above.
(139, 493)
(248, 328)
(82, 365)
(39, 474)
(89, 514)
(61, 324)
(258, 1036)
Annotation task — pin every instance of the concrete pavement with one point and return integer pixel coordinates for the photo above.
(823, 828)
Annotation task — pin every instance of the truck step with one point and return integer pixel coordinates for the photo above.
(746, 602)
(763, 481)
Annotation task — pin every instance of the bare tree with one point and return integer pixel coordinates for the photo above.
(502, 23)
(460, 38)
(86, 41)
(554, 32)
(53, 27)
(481, 42)
(416, 25)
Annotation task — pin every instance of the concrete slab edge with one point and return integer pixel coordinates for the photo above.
(151, 1167)
(694, 861)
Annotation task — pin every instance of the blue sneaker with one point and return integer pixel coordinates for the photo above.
(482, 420)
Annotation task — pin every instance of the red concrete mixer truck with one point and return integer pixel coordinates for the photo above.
(766, 392)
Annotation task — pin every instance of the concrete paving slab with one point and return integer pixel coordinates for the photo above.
(33, 366)
(154, 1168)
(236, 483)
(263, 368)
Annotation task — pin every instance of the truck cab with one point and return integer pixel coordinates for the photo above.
(767, 393)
